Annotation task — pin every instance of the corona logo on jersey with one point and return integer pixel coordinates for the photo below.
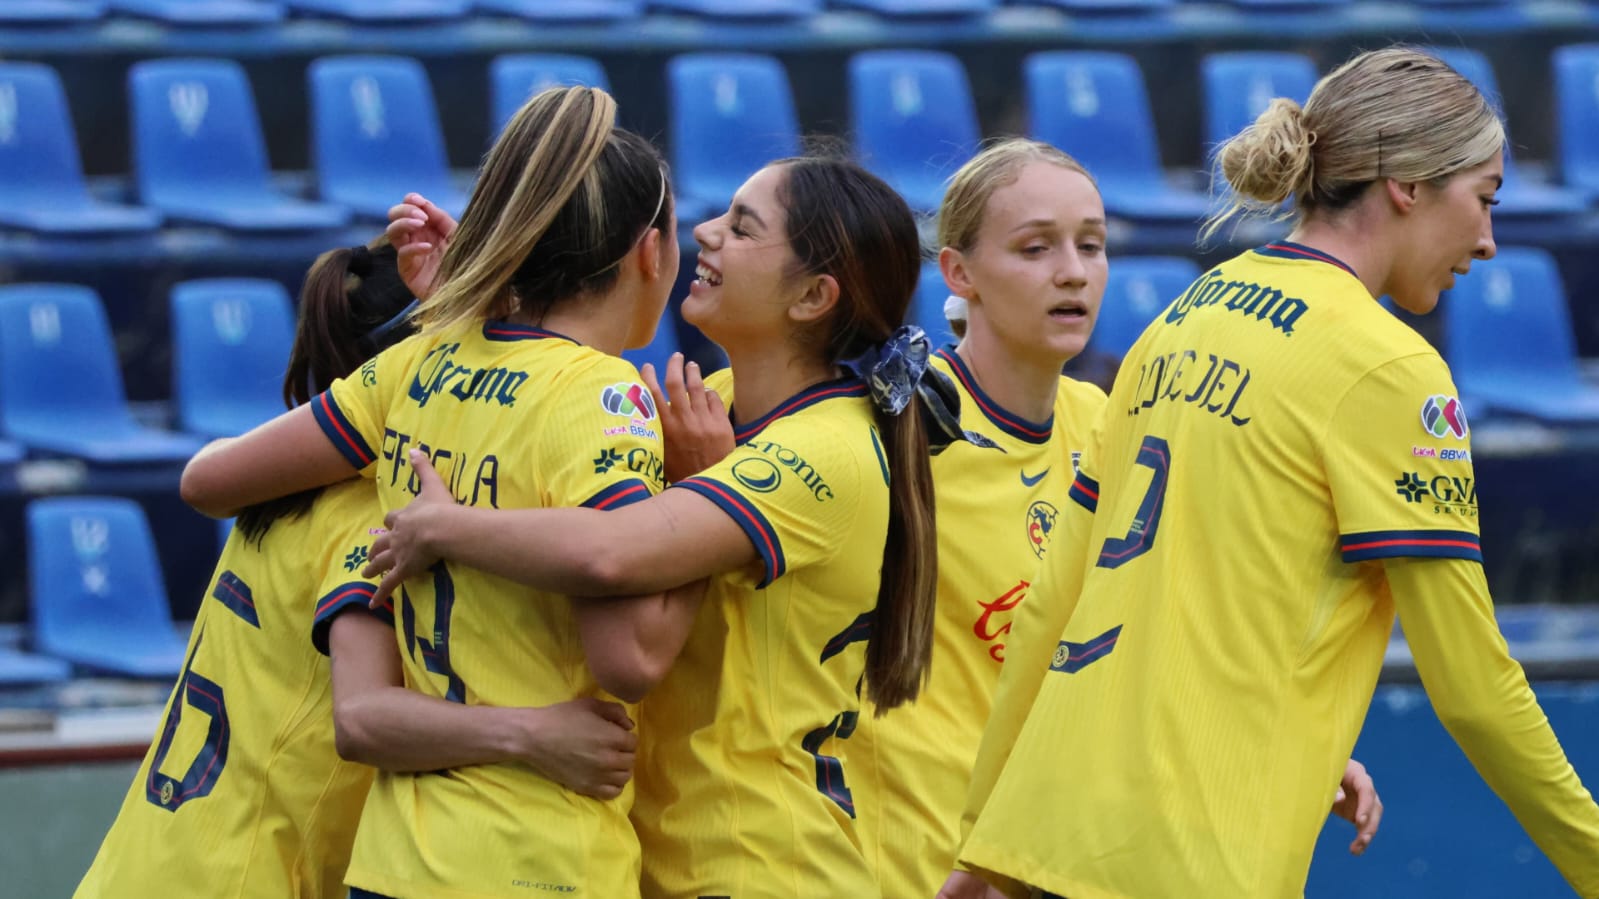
(990, 630)
(439, 375)
(1261, 302)
(1443, 416)
(1040, 524)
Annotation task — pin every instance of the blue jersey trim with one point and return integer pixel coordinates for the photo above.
(1029, 431)
(619, 494)
(806, 398)
(341, 599)
(504, 330)
(340, 432)
(744, 513)
(1283, 249)
(1367, 545)
(234, 593)
(1071, 658)
(859, 631)
(1085, 491)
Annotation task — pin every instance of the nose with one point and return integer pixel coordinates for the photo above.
(705, 234)
(1073, 270)
(1485, 248)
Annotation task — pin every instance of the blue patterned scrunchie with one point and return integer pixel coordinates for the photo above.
(897, 369)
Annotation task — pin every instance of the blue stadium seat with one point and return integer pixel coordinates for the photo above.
(919, 9)
(60, 388)
(41, 177)
(1138, 289)
(514, 77)
(230, 342)
(730, 114)
(739, 9)
(1508, 338)
(18, 668)
(1239, 86)
(927, 306)
(380, 11)
(50, 12)
(97, 595)
(198, 152)
(913, 120)
(1577, 116)
(375, 135)
(203, 12)
(1517, 197)
(1094, 106)
(565, 10)
(1102, 7)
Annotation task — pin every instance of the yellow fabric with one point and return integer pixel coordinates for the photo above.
(1272, 437)
(745, 767)
(512, 417)
(251, 801)
(998, 510)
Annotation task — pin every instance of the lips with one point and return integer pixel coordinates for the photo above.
(1068, 310)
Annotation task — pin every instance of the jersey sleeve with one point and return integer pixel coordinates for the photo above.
(793, 489)
(351, 412)
(1398, 460)
(347, 529)
(601, 439)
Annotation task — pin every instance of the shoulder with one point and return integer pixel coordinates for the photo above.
(1078, 398)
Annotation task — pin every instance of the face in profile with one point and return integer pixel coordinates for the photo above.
(743, 275)
(1450, 225)
(1036, 273)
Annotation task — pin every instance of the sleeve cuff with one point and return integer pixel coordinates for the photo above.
(622, 493)
(343, 435)
(755, 525)
(1368, 545)
(341, 599)
(1085, 491)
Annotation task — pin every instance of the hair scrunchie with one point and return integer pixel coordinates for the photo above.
(897, 369)
(360, 263)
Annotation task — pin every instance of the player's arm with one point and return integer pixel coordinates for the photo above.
(631, 642)
(288, 454)
(1482, 698)
(585, 745)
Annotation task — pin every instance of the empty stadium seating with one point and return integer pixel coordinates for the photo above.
(912, 120)
(730, 114)
(230, 342)
(515, 77)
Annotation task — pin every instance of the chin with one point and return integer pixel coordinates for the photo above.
(1422, 304)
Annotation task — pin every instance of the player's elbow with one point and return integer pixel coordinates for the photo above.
(606, 573)
(353, 739)
(203, 486)
(628, 672)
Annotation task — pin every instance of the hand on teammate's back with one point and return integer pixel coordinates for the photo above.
(405, 550)
(966, 885)
(1357, 803)
(585, 745)
(694, 422)
(419, 232)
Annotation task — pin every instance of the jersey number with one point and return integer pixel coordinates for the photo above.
(829, 770)
(435, 653)
(204, 696)
(1155, 455)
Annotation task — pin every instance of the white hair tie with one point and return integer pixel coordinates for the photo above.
(954, 309)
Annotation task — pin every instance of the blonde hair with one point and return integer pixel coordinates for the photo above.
(562, 197)
(960, 216)
(1394, 113)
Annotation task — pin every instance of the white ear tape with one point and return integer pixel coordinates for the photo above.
(954, 309)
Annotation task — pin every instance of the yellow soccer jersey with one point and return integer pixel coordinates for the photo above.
(242, 793)
(997, 508)
(511, 416)
(743, 771)
(1273, 436)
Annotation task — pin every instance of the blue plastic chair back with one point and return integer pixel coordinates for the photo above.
(1094, 106)
(41, 176)
(376, 135)
(195, 132)
(1508, 321)
(58, 369)
(739, 9)
(513, 78)
(731, 114)
(51, 12)
(1138, 290)
(231, 339)
(1239, 86)
(1577, 115)
(383, 11)
(913, 119)
(203, 12)
(564, 10)
(98, 598)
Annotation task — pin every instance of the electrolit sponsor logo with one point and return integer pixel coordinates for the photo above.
(757, 474)
(1443, 416)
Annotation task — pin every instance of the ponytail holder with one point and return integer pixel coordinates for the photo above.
(893, 368)
(360, 263)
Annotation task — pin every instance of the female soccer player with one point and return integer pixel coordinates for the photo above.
(513, 390)
(817, 529)
(242, 793)
(1260, 496)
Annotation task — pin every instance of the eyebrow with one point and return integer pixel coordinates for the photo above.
(742, 211)
(1052, 223)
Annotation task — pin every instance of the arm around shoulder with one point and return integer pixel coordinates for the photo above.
(286, 455)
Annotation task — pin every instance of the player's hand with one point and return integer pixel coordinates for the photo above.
(694, 423)
(420, 232)
(406, 550)
(1357, 803)
(585, 745)
(966, 885)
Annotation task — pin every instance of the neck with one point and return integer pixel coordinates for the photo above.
(1024, 385)
(1350, 241)
(598, 322)
(762, 379)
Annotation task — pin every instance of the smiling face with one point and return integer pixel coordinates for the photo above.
(743, 281)
(1449, 225)
(1034, 277)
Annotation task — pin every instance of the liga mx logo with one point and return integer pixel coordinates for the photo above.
(628, 401)
(1443, 416)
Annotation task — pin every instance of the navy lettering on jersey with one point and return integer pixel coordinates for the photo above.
(475, 482)
(1215, 385)
(440, 375)
(793, 461)
(1260, 301)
